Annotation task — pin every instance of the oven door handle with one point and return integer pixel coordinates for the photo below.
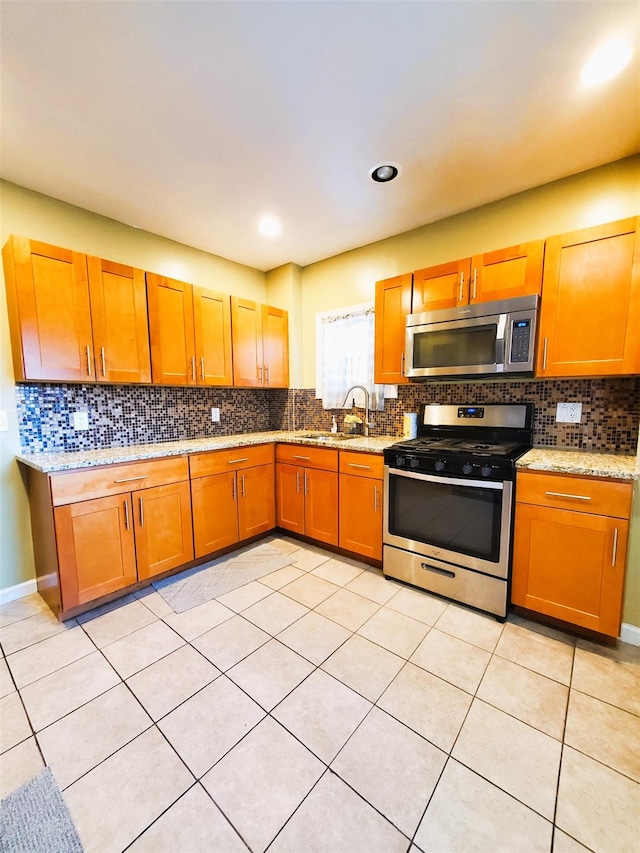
(444, 572)
(442, 479)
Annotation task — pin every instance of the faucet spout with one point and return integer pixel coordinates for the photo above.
(366, 424)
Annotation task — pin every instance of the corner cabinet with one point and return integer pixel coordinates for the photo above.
(260, 345)
(361, 503)
(570, 547)
(590, 316)
(74, 318)
(307, 491)
(190, 329)
(393, 304)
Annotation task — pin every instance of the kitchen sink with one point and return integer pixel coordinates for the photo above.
(328, 436)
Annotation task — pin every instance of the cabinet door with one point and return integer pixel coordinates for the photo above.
(442, 286)
(49, 313)
(505, 273)
(290, 497)
(256, 500)
(393, 304)
(215, 512)
(164, 536)
(361, 515)
(246, 331)
(570, 565)
(321, 505)
(96, 552)
(212, 326)
(120, 322)
(275, 346)
(173, 358)
(590, 316)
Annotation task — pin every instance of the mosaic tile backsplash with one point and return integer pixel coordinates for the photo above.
(120, 415)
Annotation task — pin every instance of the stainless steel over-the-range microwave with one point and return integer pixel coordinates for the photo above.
(473, 340)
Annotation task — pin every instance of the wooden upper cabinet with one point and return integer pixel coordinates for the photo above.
(506, 273)
(275, 346)
(212, 328)
(120, 323)
(442, 286)
(590, 317)
(173, 356)
(49, 311)
(393, 304)
(260, 336)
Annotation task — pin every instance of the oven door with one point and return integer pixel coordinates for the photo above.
(455, 521)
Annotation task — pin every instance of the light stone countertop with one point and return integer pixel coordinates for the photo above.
(49, 462)
(569, 461)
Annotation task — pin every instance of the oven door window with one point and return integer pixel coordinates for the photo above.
(465, 346)
(463, 519)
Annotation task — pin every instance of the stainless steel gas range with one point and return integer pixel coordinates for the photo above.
(449, 502)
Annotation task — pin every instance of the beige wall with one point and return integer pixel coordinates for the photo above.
(591, 198)
(42, 218)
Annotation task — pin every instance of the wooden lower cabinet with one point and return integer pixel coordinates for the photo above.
(290, 497)
(232, 506)
(321, 505)
(307, 491)
(569, 562)
(361, 515)
(162, 521)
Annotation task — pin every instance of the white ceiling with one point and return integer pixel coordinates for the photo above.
(191, 119)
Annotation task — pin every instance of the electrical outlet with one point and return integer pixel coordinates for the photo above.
(4, 425)
(215, 416)
(569, 413)
(80, 420)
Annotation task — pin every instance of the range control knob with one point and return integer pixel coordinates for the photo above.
(400, 461)
(439, 465)
(415, 463)
(467, 468)
(485, 470)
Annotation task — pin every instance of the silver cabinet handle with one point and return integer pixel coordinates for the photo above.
(202, 366)
(233, 461)
(88, 360)
(475, 284)
(355, 465)
(141, 512)
(233, 488)
(266, 373)
(306, 487)
(402, 366)
(297, 482)
(444, 572)
(260, 372)
(126, 515)
(242, 492)
(104, 362)
(461, 287)
(375, 499)
(615, 547)
(544, 354)
(308, 458)
(571, 497)
(193, 367)
(131, 479)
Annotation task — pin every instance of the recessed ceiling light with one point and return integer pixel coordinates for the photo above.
(270, 226)
(384, 172)
(606, 62)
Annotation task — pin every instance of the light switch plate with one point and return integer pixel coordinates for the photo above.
(569, 413)
(80, 420)
(215, 416)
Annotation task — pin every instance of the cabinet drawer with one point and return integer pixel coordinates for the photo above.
(82, 485)
(580, 494)
(309, 457)
(219, 461)
(362, 464)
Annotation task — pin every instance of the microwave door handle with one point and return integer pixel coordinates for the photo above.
(501, 333)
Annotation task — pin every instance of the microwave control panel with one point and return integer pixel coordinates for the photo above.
(520, 341)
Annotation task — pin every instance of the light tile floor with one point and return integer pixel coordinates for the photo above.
(322, 708)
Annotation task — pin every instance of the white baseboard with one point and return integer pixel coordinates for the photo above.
(630, 634)
(11, 593)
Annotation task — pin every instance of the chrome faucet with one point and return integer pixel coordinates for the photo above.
(366, 424)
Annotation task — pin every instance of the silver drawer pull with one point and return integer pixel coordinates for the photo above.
(615, 546)
(297, 482)
(306, 485)
(131, 479)
(375, 499)
(444, 572)
(308, 458)
(355, 465)
(233, 461)
(242, 491)
(544, 354)
(126, 515)
(571, 497)
(141, 512)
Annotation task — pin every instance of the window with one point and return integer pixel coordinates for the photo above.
(344, 357)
